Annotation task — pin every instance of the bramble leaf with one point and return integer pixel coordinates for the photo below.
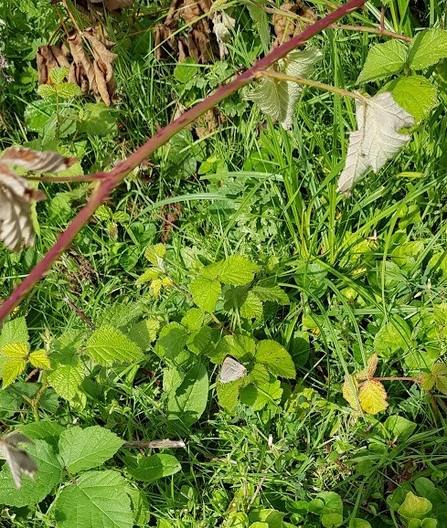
(383, 60)
(373, 396)
(429, 47)
(39, 359)
(376, 140)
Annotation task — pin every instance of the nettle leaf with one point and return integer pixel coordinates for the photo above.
(384, 60)
(97, 499)
(429, 47)
(48, 476)
(187, 400)
(377, 139)
(155, 467)
(275, 358)
(108, 345)
(205, 292)
(373, 396)
(278, 98)
(83, 449)
(39, 359)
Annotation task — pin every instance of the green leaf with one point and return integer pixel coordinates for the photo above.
(259, 16)
(194, 319)
(39, 359)
(108, 345)
(57, 75)
(275, 358)
(429, 47)
(205, 292)
(172, 340)
(332, 512)
(185, 70)
(228, 393)
(252, 307)
(399, 427)
(240, 347)
(360, 523)
(155, 254)
(414, 506)
(393, 336)
(83, 449)
(140, 506)
(154, 467)
(97, 119)
(39, 113)
(271, 293)
(187, 401)
(237, 270)
(67, 374)
(257, 397)
(68, 90)
(414, 94)
(383, 60)
(15, 350)
(43, 430)
(11, 370)
(98, 499)
(48, 476)
(144, 333)
(14, 331)
(46, 90)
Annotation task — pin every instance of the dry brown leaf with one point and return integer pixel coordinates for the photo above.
(16, 194)
(293, 21)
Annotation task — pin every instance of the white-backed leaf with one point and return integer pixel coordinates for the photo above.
(377, 139)
(278, 98)
(28, 159)
(231, 370)
(19, 461)
(16, 195)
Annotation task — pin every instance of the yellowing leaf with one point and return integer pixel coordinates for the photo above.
(15, 350)
(437, 376)
(39, 359)
(373, 396)
(155, 254)
(377, 139)
(149, 275)
(370, 370)
(350, 391)
(12, 369)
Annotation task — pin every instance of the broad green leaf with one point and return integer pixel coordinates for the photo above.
(108, 345)
(67, 374)
(172, 340)
(228, 393)
(195, 319)
(185, 70)
(275, 358)
(429, 47)
(43, 430)
(97, 119)
(373, 396)
(46, 90)
(199, 340)
(140, 506)
(83, 449)
(48, 476)
(144, 333)
(14, 331)
(57, 75)
(415, 507)
(154, 467)
(252, 307)
(237, 270)
(10, 402)
(97, 499)
(11, 370)
(360, 523)
(350, 391)
(405, 255)
(332, 509)
(15, 350)
(383, 60)
(241, 347)
(393, 336)
(187, 401)
(68, 90)
(376, 140)
(271, 293)
(415, 94)
(257, 397)
(39, 359)
(399, 427)
(39, 113)
(278, 98)
(426, 488)
(205, 293)
(155, 254)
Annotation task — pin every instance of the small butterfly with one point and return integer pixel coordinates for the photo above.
(18, 460)
(231, 370)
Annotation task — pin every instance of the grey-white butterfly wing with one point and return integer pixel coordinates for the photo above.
(18, 460)
(231, 370)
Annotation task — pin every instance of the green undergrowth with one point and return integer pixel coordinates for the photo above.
(230, 241)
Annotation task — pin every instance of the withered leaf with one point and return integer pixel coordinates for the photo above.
(17, 195)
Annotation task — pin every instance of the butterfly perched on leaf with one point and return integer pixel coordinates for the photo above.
(231, 370)
(17, 194)
(19, 461)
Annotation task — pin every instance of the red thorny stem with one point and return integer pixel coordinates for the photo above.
(108, 181)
